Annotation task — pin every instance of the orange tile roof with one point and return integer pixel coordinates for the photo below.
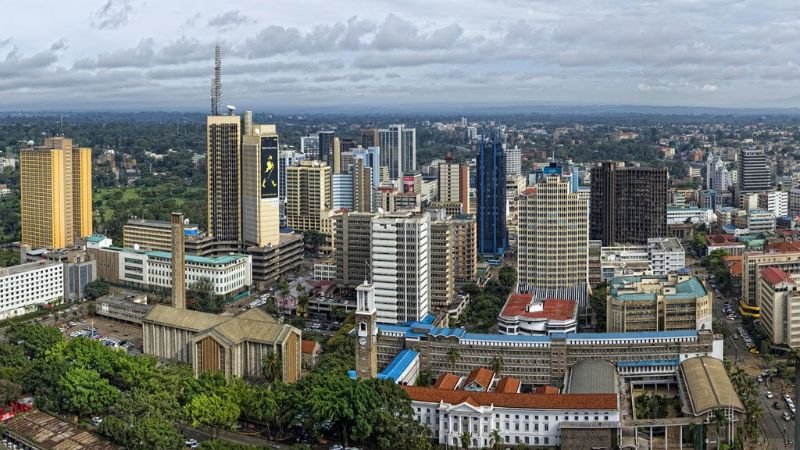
(447, 381)
(553, 308)
(308, 346)
(774, 275)
(504, 400)
(784, 247)
(482, 376)
(507, 385)
(546, 390)
(734, 264)
(719, 239)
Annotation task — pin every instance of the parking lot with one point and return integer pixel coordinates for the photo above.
(111, 333)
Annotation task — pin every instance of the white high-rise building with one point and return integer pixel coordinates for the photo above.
(401, 266)
(513, 162)
(27, 286)
(553, 240)
(287, 158)
(398, 149)
(310, 146)
(776, 202)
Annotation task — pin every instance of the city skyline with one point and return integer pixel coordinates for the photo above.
(122, 55)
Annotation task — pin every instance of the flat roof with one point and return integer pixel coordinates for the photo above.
(551, 308)
(52, 432)
(592, 376)
(211, 260)
(20, 268)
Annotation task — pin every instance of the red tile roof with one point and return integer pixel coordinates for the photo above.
(482, 376)
(507, 385)
(784, 247)
(546, 390)
(734, 264)
(504, 400)
(774, 275)
(447, 381)
(529, 191)
(721, 239)
(554, 308)
(308, 346)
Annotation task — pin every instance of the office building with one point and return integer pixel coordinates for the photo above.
(660, 257)
(776, 202)
(372, 159)
(628, 204)
(370, 138)
(491, 193)
(362, 186)
(326, 145)
(666, 255)
(442, 275)
(398, 149)
(55, 193)
(453, 184)
(401, 266)
(260, 177)
(674, 302)
(26, 287)
(752, 265)
(465, 248)
(514, 162)
(753, 174)
(308, 195)
(309, 146)
(287, 158)
(223, 141)
(553, 241)
(794, 201)
(780, 306)
(151, 234)
(342, 191)
(352, 241)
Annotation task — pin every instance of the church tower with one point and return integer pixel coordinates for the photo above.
(366, 331)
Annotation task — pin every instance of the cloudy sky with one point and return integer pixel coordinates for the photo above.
(307, 54)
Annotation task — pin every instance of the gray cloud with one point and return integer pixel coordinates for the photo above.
(398, 33)
(148, 54)
(112, 15)
(228, 19)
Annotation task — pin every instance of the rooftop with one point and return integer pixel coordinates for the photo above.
(507, 385)
(165, 224)
(398, 365)
(51, 432)
(209, 260)
(481, 376)
(775, 275)
(523, 305)
(708, 385)
(20, 268)
(592, 376)
(447, 381)
(506, 400)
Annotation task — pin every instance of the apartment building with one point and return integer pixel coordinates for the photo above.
(25, 287)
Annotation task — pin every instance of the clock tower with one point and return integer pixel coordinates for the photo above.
(366, 332)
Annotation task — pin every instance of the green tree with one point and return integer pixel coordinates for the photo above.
(213, 412)
(271, 367)
(466, 439)
(203, 297)
(719, 419)
(497, 364)
(86, 392)
(508, 276)
(96, 289)
(597, 300)
(496, 439)
(9, 391)
(452, 357)
(34, 338)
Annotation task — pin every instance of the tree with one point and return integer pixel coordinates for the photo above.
(35, 339)
(86, 392)
(497, 364)
(271, 366)
(466, 439)
(203, 297)
(598, 303)
(794, 359)
(96, 289)
(452, 357)
(213, 412)
(9, 391)
(312, 240)
(496, 439)
(507, 277)
(719, 419)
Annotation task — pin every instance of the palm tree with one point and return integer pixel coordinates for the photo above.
(453, 357)
(752, 418)
(794, 359)
(719, 419)
(496, 439)
(302, 305)
(271, 366)
(497, 364)
(466, 439)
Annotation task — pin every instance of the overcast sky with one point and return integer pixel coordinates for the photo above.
(147, 54)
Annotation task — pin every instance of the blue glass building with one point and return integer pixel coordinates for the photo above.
(491, 191)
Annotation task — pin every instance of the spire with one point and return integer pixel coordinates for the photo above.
(216, 82)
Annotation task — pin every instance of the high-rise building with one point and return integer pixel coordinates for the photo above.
(223, 142)
(453, 184)
(56, 193)
(342, 191)
(352, 241)
(401, 266)
(398, 149)
(308, 195)
(553, 240)
(777, 202)
(260, 187)
(369, 138)
(310, 146)
(442, 276)
(372, 159)
(513, 162)
(465, 248)
(628, 204)
(754, 173)
(362, 186)
(491, 190)
(326, 145)
(287, 158)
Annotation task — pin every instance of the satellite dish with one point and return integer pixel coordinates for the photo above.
(136, 246)
(186, 221)
(30, 143)
(231, 109)
(380, 210)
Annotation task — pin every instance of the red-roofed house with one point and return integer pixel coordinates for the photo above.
(546, 390)
(447, 381)
(311, 351)
(725, 242)
(507, 385)
(479, 380)
(522, 315)
(779, 295)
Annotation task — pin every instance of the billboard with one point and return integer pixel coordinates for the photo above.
(269, 167)
(408, 184)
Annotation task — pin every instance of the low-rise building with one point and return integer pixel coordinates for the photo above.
(131, 309)
(25, 287)
(675, 302)
(523, 314)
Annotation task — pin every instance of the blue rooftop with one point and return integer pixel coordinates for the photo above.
(649, 363)
(638, 296)
(398, 365)
(95, 238)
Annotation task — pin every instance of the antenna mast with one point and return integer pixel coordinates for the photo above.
(216, 82)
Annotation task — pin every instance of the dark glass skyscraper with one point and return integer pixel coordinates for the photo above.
(326, 147)
(491, 190)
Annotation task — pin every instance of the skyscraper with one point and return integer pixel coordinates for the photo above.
(465, 254)
(491, 190)
(260, 187)
(369, 138)
(308, 195)
(398, 149)
(56, 193)
(352, 241)
(362, 186)
(553, 240)
(223, 141)
(442, 276)
(287, 158)
(628, 204)
(513, 162)
(453, 184)
(754, 173)
(325, 145)
(401, 266)
(310, 146)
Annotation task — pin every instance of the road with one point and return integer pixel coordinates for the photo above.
(773, 425)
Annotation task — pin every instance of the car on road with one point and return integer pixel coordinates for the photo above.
(786, 416)
(769, 394)
(760, 379)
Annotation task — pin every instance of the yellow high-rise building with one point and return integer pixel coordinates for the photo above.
(308, 196)
(260, 204)
(56, 193)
